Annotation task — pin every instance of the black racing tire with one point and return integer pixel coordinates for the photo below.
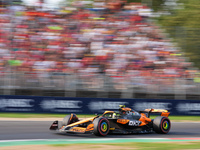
(69, 119)
(66, 120)
(60, 124)
(101, 126)
(161, 125)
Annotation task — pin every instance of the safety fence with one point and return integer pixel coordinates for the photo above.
(69, 85)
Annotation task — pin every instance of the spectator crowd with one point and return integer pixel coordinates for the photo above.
(101, 38)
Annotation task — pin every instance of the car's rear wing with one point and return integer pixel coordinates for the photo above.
(162, 112)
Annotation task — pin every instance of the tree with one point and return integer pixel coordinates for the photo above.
(156, 5)
(184, 26)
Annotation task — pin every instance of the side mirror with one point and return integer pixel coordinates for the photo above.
(96, 114)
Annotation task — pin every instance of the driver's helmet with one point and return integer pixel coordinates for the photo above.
(114, 115)
(130, 113)
(124, 110)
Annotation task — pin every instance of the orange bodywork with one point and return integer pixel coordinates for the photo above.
(71, 117)
(90, 127)
(144, 119)
(78, 129)
(126, 109)
(162, 111)
(79, 122)
(123, 121)
(166, 114)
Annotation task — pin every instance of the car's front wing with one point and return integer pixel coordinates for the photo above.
(74, 129)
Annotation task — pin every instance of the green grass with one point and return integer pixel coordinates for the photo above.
(163, 146)
(140, 146)
(33, 115)
(182, 118)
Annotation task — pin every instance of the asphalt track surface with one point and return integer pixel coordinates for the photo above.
(18, 130)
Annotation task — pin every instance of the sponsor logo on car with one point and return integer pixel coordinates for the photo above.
(134, 123)
(123, 121)
(78, 129)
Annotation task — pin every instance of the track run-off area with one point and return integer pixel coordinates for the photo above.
(4, 143)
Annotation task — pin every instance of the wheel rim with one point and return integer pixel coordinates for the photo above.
(165, 125)
(104, 126)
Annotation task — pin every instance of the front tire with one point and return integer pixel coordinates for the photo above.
(161, 125)
(101, 126)
(69, 119)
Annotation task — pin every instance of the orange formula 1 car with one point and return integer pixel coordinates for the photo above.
(124, 121)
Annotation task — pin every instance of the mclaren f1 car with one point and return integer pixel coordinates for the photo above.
(124, 121)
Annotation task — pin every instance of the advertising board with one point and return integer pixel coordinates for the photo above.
(66, 105)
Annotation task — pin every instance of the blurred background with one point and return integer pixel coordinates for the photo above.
(100, 48)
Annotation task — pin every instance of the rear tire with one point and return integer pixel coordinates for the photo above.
(161, 125)
(101, 126)
(69, 119)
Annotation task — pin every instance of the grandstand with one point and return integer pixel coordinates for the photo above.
(97, 49)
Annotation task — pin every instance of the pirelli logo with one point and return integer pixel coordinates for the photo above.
(122, 121)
